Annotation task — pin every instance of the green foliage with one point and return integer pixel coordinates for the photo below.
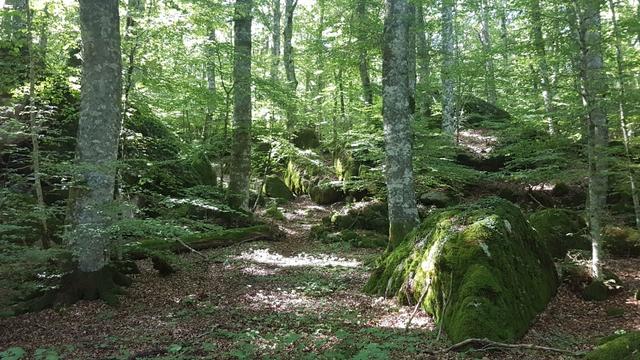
(625, 345)
(560, 230)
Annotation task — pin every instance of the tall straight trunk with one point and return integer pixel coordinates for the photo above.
(449, 123)
(363, 57)
(240, 172)
(594, 90)
(403, 213)
(35, 144)
(135, 9)
(489, 68)
(543, 69)
(320, 64)
(275, 49)
(504, 32)
(287, 58)
(423, 54)
(621, 111)
(98, 131)
(411, 56)
(16, 24)
(211, 85)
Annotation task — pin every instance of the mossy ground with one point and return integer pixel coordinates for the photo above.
(618, 347)
(489, 275)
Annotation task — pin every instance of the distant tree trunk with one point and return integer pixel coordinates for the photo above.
(240, 172)
(287, 58)
(504, 31)
(411, 56)
(98, 132)
(449, 123)
(363, 57)
(135, 9)
(403, 213)
(35, 144)
(621, 111)
(489, 68)
(594, 90)
(16, 24)
(320, 64)
(275, 49)
(423, 53)
(543, 69)
(211, 85)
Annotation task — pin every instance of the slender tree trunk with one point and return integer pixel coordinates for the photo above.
(135, 9)
(449, 122)
(275, 49)
(363, 57)
(287, 58)
(543, 69)
(504, 32)
(98, 131)
(490, 74)
(240, 172)
(403, 213)
(320, 64)
(594, 85)
(35, 151)
(621, 111)
(211, 85)
(423, 50)
(411, 56)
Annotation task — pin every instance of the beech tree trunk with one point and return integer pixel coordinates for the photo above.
(489, 68)
(98, 131)
(240, 172)
(275, 49)
(363, 57)
(403, 213)
(594, 90)
(423, 53)
(211, 85)
(287, 58)
(543, 69)
(449, 122)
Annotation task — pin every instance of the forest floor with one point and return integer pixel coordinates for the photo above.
(292, 299)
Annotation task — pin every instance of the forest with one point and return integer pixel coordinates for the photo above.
(319, 179)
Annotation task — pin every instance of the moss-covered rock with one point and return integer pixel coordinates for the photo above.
(276, 188)
(476, 111)
(327, 192)
(621, 241)
(595, 291)
(371, 215)
(619, 347)
(357, 238)
(560, 230)
(484, 269)
(437, 198)
(306, 138)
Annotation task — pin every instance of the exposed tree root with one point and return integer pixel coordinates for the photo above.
(475, 344)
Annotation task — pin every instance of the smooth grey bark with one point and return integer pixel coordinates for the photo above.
(504, 31)
(287, 58)
(543, 68)
(423, 55)
(135, 10)
(35, 143)
(240, 171)
(211, 84)
(449, 121)
(320, 64)
(621, 84)
(411, 57)
(363, 56)
(275, 49)
(403, 213)
(98, 131)
(489, 68)
(593, 94)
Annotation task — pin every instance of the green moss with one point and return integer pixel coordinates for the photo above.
(327, 192)
(595, 291)
(560, 230)
(276, 188)
(483, 261)
(371, 215)
(622, 347)
(621, 241)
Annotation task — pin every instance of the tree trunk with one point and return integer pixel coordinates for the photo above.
(621, 111)
(594, 89)
(135, 9)
(98, 130)
(543, 69)
(287, 58)
(363, 57)
(403, 213)
(485, 37)
(319, 96)
(423, 51)
(240, 172)
(211, 85)
(449, 122)
(275, 49)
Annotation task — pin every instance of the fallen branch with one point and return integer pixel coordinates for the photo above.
(487, 345)
(415, 309)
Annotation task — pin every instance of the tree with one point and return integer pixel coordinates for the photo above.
(97, 148)
(287, 58)
(485, 39)
(275, 49)
(449, 122)
(363, 56)
(403, 213)
(543, 68)
(593, 94)
(423, 54)
(240, 173)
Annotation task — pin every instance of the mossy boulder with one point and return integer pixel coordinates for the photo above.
(477, 111)
(327, 192)
(276, 188)
(366, 215)
(621, 241)
(560, 230)
(619, 347)
(306, 138)
(437, 198)
(485, 272)
(595, 291)
(357, 238)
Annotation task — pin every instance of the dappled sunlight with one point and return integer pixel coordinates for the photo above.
(265, 256)
(477, 142)
(280, 300)
(399, 316)
(258, 270)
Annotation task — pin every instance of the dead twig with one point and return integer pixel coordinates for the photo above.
(486, 345)
(415, 309)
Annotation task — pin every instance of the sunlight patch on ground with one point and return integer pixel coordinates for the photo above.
(258, 270)
(398, 318)
(265, 256)
(475, 141)
(279, 300)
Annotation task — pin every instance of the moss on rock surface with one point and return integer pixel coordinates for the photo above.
(618, 347)
(560, 230)
(327, 192)
(488, 273)
(276, 188)
(371, 215)
(621, 241)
